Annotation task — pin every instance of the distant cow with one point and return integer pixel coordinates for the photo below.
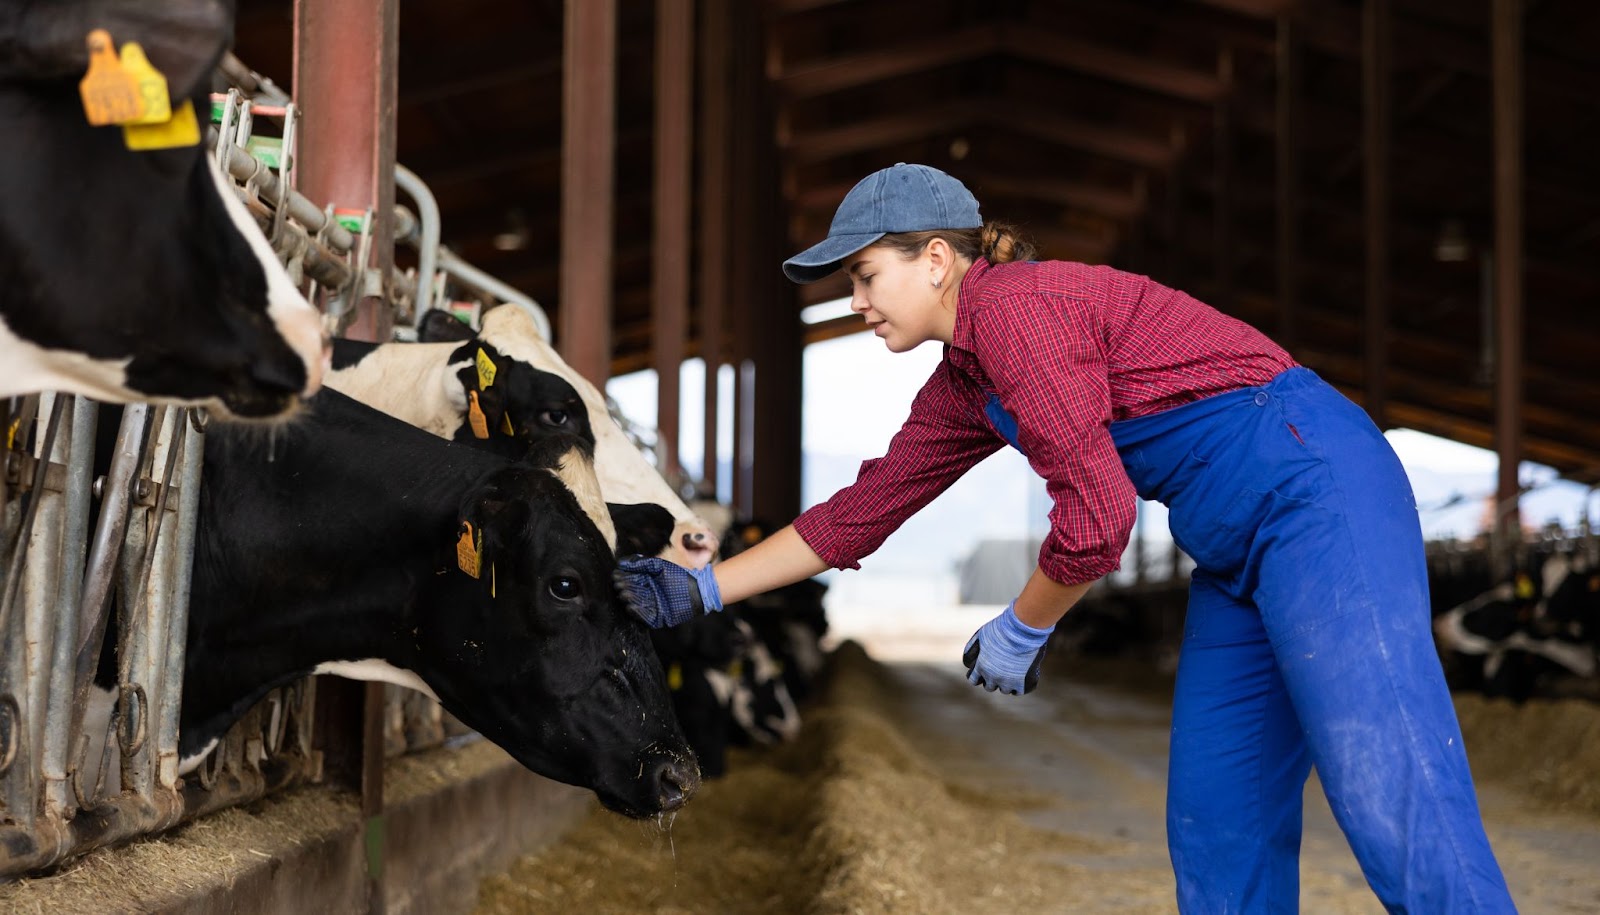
(354, 544)
(1517, 637)
(433, 386)
(125, 275)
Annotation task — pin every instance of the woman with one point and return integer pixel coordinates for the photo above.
(1307, 639)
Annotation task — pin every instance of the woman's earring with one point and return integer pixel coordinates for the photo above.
(938, 283)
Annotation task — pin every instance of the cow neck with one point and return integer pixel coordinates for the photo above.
(321, 553)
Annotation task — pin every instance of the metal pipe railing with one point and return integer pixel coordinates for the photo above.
(425, 236)
(473, 278)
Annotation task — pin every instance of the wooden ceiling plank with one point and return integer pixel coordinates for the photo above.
(808, 80)
(1142, 70)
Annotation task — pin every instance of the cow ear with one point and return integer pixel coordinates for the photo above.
(184, 39)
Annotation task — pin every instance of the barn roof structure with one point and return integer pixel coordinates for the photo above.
(1222, 146)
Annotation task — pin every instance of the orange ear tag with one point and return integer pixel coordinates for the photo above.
(486, 370)
(155, 106)
(469, 551)
(505, 425)
(110, 94)
(479, 422)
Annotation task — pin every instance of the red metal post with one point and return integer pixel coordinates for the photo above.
(1505, 30)
(345, 81)
(588, 186)
(674, 148)
(715, 121)
(1376, 132)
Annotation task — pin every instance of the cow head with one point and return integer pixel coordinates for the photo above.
(517, 404)
(134, 275)
(537, 651)
(625, 474)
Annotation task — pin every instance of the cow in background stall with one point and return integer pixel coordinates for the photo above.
(354, 544)
(506, 385)
(1527, 636)
(134, 276)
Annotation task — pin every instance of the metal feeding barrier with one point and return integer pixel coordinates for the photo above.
(95, 559)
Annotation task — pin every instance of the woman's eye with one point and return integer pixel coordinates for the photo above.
(553, 417)
(565, 588)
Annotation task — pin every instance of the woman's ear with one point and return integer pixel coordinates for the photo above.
(941, 258)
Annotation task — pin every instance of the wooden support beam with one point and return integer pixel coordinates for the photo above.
(831, 143)
(811, 79)
(588, 157)
(1376, 127)
(715, 124)
(1123, 144)
(674, 119)
(1506, 39)
(1138, 69)
(1288, 178)
(1222, 202)
(1068, 52)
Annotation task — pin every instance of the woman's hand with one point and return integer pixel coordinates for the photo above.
(663, 593)
(1005, 654)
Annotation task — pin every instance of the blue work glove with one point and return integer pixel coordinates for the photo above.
(1005, 653)
(664, 593)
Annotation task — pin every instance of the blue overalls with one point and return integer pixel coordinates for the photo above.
(1307, 642)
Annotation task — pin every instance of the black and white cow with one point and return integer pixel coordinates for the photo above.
(433, 386)
(337, 546)
(1518, 636)
(134, 276)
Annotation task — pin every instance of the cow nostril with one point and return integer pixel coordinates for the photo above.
(676, 783)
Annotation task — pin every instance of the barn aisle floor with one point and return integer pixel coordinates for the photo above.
(908, 791)
(1097, 743)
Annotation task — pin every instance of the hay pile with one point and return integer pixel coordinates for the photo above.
(1547, 749)
(847, 819)
(157, 873)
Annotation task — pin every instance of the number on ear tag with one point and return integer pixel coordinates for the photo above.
(182, 129)
(110, 94)
(154, 105)
(486, 370)
(475, 417)
(469, 550)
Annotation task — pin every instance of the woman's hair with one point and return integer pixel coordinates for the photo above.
(996, 242)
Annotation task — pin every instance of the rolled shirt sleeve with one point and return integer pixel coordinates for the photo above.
(945, 436)
(1046, 359)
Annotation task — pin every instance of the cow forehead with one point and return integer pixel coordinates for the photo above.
(575, 470)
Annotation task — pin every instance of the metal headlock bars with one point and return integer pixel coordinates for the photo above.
(83, 766)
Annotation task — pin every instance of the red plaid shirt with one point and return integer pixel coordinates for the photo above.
(1068, 349)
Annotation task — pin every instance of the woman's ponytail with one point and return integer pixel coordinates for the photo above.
(1001, 244)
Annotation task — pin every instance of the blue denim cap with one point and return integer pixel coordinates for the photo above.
(901, 198)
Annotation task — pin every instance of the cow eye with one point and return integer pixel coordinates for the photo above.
(564, 588)
(553, 417)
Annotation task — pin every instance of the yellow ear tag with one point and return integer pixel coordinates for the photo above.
(675, 677)
(505, 424)
(486, 370)
(736, 670)
(479, 422)
(469, 551)
(11, 435)
(155, 107)
(182, 129)
(110, 94)
(1524, 586)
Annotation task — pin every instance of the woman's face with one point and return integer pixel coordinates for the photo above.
(897, 297)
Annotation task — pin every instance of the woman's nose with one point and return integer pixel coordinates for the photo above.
(858, 302)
